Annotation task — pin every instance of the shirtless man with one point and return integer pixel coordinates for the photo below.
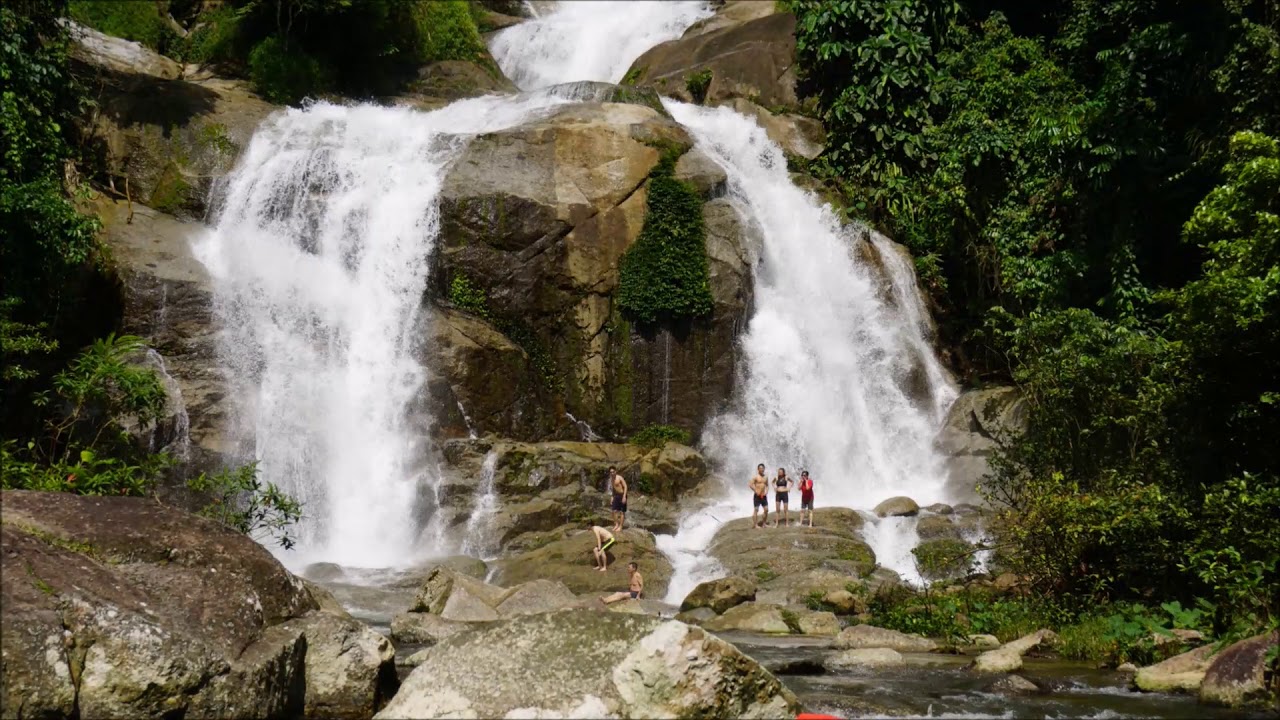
(618, 485)
(760, 496)
(636, 586)
(604, 539)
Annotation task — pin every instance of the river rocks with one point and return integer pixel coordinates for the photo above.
(439, 83)
(877, 657)
(934, 527)
(900, 506)
(747, 51)
(774, 619)
(975, 423)
(720, 595)
(131, 608)
(1012, 685)
(98, 49)
(844, 602)
(1237, 676)
(869, 636)
(772, 553)
(422, 628)
(983, 642)
(589, 664)
(1008, 657)
(943, 557)
(536, 218)
(569, 560)
(1180, 673)
(350, 669)
(536, 596)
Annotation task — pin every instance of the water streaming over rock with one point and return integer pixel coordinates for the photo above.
(596, 40)
(477, 538)
(838, 376)
(319, 259)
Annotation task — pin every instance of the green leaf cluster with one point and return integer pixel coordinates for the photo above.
(655, 436)
(240, 500)
(664, 276)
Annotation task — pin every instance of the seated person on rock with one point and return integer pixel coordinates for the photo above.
(604, 539)
(636, 585)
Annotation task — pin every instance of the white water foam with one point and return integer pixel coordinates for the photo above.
(477, 538)
(829, 363)
(319, 260)
(595, 40)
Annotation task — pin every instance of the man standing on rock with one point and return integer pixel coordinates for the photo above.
(806, 497)
(604, 539)
(636, 586)
(618, 485)
(760, 496)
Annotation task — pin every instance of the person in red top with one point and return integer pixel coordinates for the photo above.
(806, 497)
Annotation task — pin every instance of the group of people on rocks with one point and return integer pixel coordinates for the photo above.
(782, 486)
(759, 484)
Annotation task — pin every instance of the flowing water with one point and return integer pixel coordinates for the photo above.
(319, 260)
(572, 41)
(829, 378)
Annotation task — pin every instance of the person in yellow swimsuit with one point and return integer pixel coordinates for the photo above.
(604, 539)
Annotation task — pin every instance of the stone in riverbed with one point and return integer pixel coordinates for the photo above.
(350, 669)
(984, 642)
(424, 628)
(589, 664)
(697, 616)
(864, 658)
(1008, 657)
(1237, 675)
(1180, 673)
(721, 594)
(869, 636)
(536, 596)
(901, 506)
(1012, 685)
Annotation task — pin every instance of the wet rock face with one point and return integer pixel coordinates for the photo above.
(1237, 676)
(536, 218)
(122, 607)
(590, 664)
(975, 423)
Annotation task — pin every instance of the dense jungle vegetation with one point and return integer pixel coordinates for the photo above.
(1092, 191)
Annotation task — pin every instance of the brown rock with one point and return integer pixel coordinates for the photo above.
(720, 595)
(1237, 676)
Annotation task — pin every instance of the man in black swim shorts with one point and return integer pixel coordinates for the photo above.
(618, 485)
(760, 492)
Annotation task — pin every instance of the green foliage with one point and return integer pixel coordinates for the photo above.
(20, 344)
(943, 558)
(86, 473)
(465, 295)
(137, 20)
(634, 74)
(446, 30)
(655, 436)
(215, 38)
(283, 73)
(764, 574)
(792, 621)
(664, 275)
(697, 83)
(241, 501)
(646, 483)
(874, 68)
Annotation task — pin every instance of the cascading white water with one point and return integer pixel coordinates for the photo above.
(827, 361)
(319, 259)
(476, 540)
(595, 40)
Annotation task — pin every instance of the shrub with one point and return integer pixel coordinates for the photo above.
(655, 436)
(664, 275)
(465, 295)
(943, 558)
(446, 30)
(137, 20)
(697, 83)
(241, 501)
(214, 38)
(284, 73)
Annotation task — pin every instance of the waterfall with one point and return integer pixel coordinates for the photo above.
(595, 40)
(477, 540)
(319, 262)
(828, 360)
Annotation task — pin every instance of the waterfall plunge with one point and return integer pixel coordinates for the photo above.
(827, 361)
(319, 260)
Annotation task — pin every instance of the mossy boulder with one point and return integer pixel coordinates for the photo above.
(944, 557)
(569, 560)
(720, 594)
(769, 553)
(589, 664)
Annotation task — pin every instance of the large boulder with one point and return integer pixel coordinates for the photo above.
(869, 636)
(536, 596)
(834, 542)
(166, 298)
(536, 218)
(976, 422)
(1008, 657)
(864, 658)
(569, 561)
(124, 607)
(421, 628)
(1180, 673)
(720, 595)
(1237, 676)
(589, 664)
(900, 506)
(745, 51)
(774, 619)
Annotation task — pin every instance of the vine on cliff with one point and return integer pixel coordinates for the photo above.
(664, 275)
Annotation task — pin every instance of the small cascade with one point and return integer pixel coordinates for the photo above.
(477, 540)
(828, 363)
(584, 430)
(595, 40)
(172, 432)
(893, 539)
